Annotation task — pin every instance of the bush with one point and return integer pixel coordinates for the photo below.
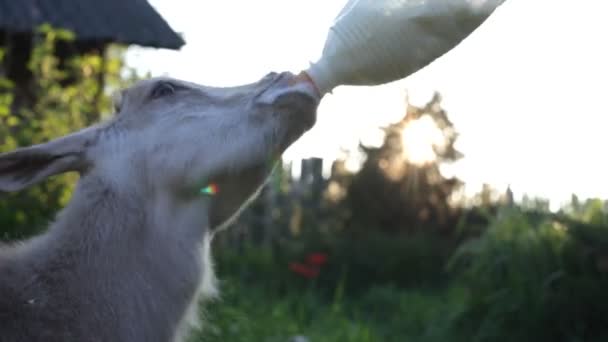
(354, 263)
(61, 97)
(529, 276)
(413, 260)
(535, 282)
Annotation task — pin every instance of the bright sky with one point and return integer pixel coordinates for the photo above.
(526, 91)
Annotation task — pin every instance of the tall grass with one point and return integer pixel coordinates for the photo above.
(383, 314)
(525, 278)
(535, 281)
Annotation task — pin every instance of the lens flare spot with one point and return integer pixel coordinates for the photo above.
(210, 189)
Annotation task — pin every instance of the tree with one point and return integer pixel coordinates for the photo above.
(400, 186)
(62, 98)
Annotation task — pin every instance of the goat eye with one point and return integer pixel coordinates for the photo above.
(163, 89)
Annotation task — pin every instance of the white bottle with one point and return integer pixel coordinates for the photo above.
(378, 41)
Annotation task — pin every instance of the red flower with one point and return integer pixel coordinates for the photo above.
(305, 271)
(317, 259)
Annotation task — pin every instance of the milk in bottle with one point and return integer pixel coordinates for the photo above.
(377, 41)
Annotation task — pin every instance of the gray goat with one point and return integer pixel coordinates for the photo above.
(129, 257)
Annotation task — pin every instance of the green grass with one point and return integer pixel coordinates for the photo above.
(526, 278)
(246, 313)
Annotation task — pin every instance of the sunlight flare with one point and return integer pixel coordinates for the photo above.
(419, 137)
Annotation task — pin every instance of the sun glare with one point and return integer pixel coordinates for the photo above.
(418, 139)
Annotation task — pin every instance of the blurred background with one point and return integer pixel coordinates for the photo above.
(467, 202)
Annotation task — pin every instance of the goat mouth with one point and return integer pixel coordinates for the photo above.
(286, 84)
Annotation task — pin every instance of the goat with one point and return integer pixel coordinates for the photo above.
(128, 259)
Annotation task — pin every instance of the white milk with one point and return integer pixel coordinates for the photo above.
(377, 41)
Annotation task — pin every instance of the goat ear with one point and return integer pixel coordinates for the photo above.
(29, 165)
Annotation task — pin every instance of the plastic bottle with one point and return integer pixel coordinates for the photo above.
(378, 41)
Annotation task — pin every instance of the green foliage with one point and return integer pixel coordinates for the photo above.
(396, 194)
(61, 97)
(536, 281)
(355, 263)
(247, 312)
(372, 259)
(529, 276)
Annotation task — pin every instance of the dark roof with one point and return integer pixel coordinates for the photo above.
(121, 21)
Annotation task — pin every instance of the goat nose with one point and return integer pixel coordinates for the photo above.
(301, 83)
(288, 83)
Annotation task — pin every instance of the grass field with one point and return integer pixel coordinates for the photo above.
(526, 278)
(382, 314)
